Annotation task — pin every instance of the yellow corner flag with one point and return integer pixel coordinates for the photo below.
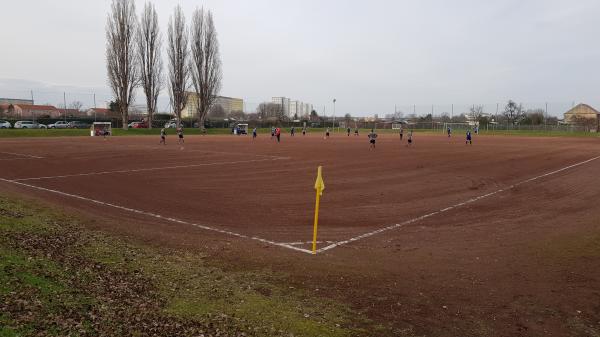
(319, 184)
(319, 187)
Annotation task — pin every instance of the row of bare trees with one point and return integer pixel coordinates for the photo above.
(133, 58)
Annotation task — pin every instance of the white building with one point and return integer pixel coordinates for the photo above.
(293, 108)
(284, 102)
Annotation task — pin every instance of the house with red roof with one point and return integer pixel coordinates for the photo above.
(27, 111)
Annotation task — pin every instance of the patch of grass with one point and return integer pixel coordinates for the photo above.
(196, 290)
(539, 133)
(95, 283)
(15, 133)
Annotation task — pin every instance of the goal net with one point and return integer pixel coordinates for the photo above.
(457, 126)
(101, 129)
(397, 126)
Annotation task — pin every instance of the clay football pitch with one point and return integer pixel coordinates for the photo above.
(455, 223)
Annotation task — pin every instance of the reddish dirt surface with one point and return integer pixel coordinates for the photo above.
(525, 261)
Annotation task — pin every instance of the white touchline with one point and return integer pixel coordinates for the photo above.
(158, 147)
(472, 200)
(11, 159)
(23, 155)
(149, 169)
(158, 216)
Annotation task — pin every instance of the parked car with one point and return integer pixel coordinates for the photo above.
(78, 125)
(172, 124)
(59, 125)
(5, 125)
(138, 125)
(29, 125)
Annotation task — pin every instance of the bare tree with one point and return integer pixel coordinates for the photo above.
(270, 111)
(476, 111)
(205, 63)
(178, 53)
(217, 111)
(150, 60)
(121, 62)
(513, 112)
(76, 105)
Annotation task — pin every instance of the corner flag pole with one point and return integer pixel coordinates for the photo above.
(319, 187)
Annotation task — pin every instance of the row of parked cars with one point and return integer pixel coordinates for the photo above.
(172, 124)
(74, 125)
(35, 125)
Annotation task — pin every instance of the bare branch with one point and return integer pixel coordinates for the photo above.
(121, 62)
(178, 53)
(149, 58)
(205, 63)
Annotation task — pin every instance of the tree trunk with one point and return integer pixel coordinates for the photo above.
(201, 122)
(150, 119)
(125, 119)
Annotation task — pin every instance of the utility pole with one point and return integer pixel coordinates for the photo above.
(95, 107)
(65, 107)
(333, 126)
(32, 102)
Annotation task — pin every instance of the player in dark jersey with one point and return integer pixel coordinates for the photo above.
(372, 136)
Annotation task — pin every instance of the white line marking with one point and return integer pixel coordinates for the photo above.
(206, 151)
(158, 216)
(149, 169)
(298, 243)
(10, 159)
(23, 155)
(472, 200)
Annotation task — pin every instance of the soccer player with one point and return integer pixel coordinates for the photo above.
(163, 136)
(372, 137)
(449, 132)
(292, 131)
(304, 131)
(356, 131)
(278, 134)
(469, 140)
(410, 138)
(327, 133)
(272, 132)
(180, 135)
(253, 133)
(348, 131)
(401, 134)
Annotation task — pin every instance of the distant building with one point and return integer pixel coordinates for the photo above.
(229, 104)
(293, 108)
(284, 102)
(33, 111)
(582, 113)
(16, 101)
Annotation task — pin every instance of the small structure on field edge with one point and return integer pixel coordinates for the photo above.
(101, 129)
(583, 115)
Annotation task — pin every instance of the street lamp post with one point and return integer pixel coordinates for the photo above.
(334, 100)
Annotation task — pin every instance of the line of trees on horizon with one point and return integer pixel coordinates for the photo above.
(134, 59)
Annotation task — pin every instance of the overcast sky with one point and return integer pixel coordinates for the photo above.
(369, 55)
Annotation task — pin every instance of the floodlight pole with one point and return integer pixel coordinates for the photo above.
(334, 113)
(65, 107)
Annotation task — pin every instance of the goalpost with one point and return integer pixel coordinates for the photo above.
(457, 126)
(101, 129)
(397, 126)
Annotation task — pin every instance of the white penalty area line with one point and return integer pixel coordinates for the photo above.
(472, 200)
(149, 169)
(28, 156)
(158, 216)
